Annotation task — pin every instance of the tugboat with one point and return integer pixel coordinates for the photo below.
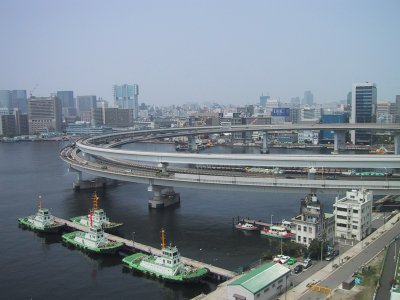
(43, 221)
(93, 241)
(99, 217)
(168, 266)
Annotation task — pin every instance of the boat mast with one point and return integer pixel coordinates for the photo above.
(40, 201)
(91, 218)
(95, 201)
(162, 238)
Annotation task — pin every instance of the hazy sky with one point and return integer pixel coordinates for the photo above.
(185, 51)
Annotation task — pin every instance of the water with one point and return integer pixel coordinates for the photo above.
(39, 267)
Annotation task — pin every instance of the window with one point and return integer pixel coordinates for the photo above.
(309, 240)
(299, 238)
(355, 227)
(341, 217)
(304, 240)
(341, 225)
(342, 209)
(355, 211)
(305, 228)
(299, 228)
(266, 290)
(310, 229)
(280, 280)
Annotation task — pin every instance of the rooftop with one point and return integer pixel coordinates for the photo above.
(259, 278)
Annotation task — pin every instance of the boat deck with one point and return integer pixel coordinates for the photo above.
(219, 272)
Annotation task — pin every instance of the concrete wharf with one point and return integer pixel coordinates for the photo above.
(258, 223)
(218, 273)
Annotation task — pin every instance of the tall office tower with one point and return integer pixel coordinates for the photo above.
(263, 100)
(349, 99)
(19, 100)
(67, 103)
(127, 96)
(44, 114)
(308, 98)
(85, 106)
(5, 100)
(398, 104)
(363, 110)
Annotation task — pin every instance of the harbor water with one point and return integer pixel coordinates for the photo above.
(39, 267)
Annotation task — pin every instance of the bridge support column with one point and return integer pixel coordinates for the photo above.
(163, 196)
(163, 166)
(339, 139)
(192, 143)
(397, 144)
(264, 149)
(312, 172)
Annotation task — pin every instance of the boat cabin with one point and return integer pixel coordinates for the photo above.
(96, 233)
(171, 256)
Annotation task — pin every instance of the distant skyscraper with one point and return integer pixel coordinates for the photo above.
(308, 98)
(19, 100)
(5, 99)
(127, 96)
(67, 103)
(363, 109)
(263, 100)
(398, 104)
(44, 114)
(349, 99)
(85, 103)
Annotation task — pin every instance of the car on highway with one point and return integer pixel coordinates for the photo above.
(297, 269)
(291, 261)
(307, 263)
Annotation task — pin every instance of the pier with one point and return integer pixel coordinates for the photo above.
(219, 274)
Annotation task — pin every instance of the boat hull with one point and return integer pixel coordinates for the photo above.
(110, 249)
(246, 228)
(108, 227)
(133, 262)
(275, 235)
(57, 227)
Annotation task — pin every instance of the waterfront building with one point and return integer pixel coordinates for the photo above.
(44, 114)
(327, 136)
(126, 96)
(312, 222)
(19, 100)
(67, 103)
(7, 126)
(111, 116)
(308, 137)
(308, 98)
(263, 283)
(363, 110)
(85, 106)
(353, 215)
(84, 129)
(310, 114)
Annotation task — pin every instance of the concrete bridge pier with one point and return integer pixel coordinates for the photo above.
(264, 149)
(339, 139)
(397, 144)
(163, 196)
(163, 166)
(192, 143)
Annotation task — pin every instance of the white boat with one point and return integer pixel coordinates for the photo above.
(246, 226)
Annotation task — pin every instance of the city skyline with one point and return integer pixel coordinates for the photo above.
(180, 52)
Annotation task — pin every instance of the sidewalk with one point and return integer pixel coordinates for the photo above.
(328, 270)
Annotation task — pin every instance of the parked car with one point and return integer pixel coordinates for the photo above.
(332, 255)
(291, 261)
(284, 259)
(278, 258)
(307, 263)
(297, 269)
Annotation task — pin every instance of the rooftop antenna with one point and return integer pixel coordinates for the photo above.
(95, 201)
(40, 201)
(162, 238)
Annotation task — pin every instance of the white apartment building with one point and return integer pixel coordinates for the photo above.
(353, 215)
(312, 223)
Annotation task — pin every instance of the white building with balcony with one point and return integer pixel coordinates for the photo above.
(353, 215)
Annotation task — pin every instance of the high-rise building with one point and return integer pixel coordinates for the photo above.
(67, 103)
(127, 96)
(19, 100)
(5, 100)
(349, 99)
(44, 114)
(114, 117)
(86, 103)
(263, 100)
(363, 110)
(308, 98)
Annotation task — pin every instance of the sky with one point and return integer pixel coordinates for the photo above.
(186, 51)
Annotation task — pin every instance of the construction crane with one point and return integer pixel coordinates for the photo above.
(32, 90)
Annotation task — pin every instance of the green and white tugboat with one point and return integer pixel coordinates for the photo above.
(168, 266)
(42, 221)
(99, 217)
(93, 241)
